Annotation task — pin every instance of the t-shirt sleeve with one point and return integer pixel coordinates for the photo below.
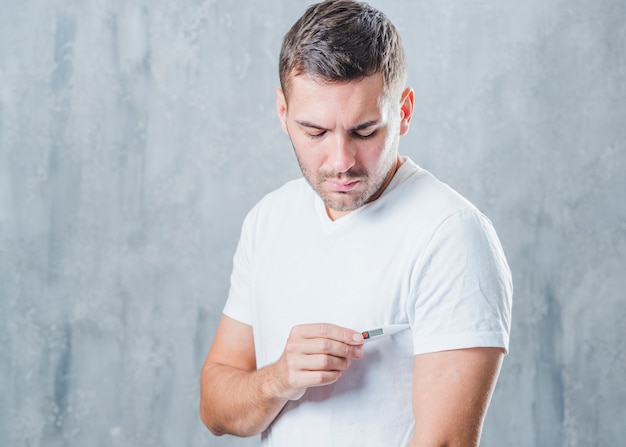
(238, 305)
(462, 288)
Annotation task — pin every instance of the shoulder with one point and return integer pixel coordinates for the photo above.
(425, 200)
(293, 189)
(284, 197)
(276, 204)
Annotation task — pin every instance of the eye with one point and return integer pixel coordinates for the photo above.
(365, 136)
(315, 136)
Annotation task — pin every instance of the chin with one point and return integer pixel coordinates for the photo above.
(344, 206)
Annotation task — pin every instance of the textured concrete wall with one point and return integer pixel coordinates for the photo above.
(135, 135)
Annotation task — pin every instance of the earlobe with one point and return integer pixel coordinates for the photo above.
(281, 108)
(407, 104)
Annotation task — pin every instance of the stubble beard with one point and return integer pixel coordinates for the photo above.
(369, 184)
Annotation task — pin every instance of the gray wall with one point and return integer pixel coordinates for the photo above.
(135, 135)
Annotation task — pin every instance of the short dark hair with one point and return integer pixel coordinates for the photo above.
(341, 41)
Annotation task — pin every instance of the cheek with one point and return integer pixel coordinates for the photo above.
(308, 155)
(375, 151)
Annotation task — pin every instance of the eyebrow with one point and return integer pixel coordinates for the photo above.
(356, 128)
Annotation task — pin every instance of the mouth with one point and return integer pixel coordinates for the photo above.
(337, 185)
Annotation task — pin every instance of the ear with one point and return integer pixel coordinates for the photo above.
(407, 102)
(281, 108)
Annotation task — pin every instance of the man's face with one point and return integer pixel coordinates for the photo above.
(345, 136)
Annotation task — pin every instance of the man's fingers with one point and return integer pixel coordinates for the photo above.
(306, 379)
(328, 331)
(324, 339)
(315, 355)
(319, 362)
(333, 348)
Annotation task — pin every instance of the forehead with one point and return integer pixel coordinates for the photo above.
(309, 94)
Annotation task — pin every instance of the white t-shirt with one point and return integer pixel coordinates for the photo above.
(420, 254)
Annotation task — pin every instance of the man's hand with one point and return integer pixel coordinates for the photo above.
(315, 355)
(239, 399)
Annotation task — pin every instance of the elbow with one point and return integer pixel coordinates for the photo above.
(209, 422)
(215, 431)
(206, 413)
(218, 426)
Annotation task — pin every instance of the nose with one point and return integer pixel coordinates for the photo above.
(342, 155)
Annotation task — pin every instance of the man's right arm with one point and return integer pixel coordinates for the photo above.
(239, 399)
(234, 396)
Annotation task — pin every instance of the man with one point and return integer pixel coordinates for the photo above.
(366, 240)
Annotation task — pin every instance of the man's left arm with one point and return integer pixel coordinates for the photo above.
(451, 394)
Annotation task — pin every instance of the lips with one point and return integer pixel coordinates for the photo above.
(342, 185)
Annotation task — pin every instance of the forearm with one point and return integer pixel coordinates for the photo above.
(237, 402)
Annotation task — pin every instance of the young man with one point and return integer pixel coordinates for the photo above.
(366, 240)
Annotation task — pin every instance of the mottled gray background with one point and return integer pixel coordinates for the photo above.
(135, 135)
